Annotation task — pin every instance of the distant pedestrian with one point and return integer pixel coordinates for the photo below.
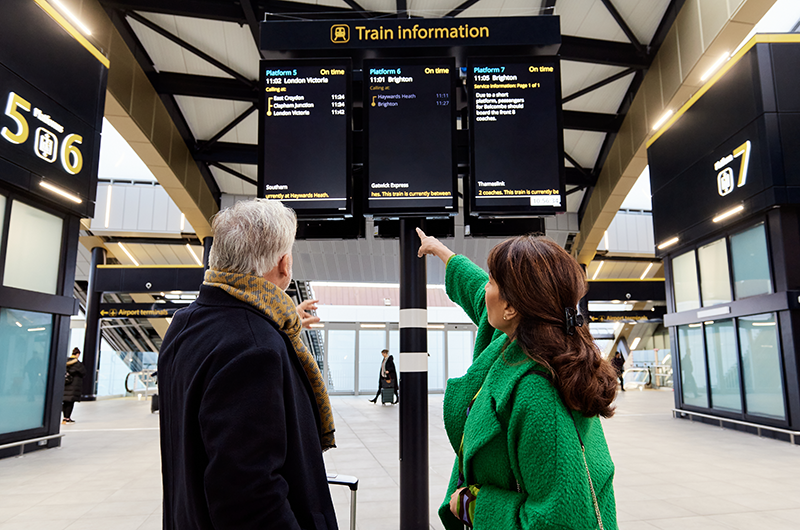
(387, 378)
(619, 366)
(73, 384)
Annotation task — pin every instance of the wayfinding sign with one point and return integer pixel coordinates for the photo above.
(409, 125)
(515, 136)
(305, 134)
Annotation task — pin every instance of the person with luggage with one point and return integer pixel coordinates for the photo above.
(524, 421)
(619, 365)
(388, 387)
(73, 385)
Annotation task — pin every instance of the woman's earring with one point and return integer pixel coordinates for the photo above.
(505, 317)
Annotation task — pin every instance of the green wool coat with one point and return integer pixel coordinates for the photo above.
(519, 433)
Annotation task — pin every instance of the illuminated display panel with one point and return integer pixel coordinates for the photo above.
(515, 133)
(409, 123)
(305, 133)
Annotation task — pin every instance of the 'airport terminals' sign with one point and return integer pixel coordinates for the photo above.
(406, 33)
(409, 124)
(305, 131)
(137, 310)
(515, 134)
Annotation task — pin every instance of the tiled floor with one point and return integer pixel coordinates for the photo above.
(671, 474)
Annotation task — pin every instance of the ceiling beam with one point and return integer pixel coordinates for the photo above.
(548, 7)
(233, 172)
(592, 121)
(188, 47)
(202, 86)
(599, 84)
(613, 53)
(251, 15)
(230, 153)
(146, 64)
(461, 8)
(624, 26)
(209, 9)
(357, 8)
(204, 146)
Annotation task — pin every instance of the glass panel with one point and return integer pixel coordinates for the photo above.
(24, 359)
(34, 241)
(370, 344)
(723, 366)
(693, 365)
(715, 282)
(750, 263)
(394, 346)
(459, 353)
(341, 348)
(436, 360)
(684, 278)
(761, 366)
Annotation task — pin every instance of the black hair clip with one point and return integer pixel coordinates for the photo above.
(573, 318)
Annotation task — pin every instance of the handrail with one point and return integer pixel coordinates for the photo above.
(23, 443)
(145, 376)
(720, 419)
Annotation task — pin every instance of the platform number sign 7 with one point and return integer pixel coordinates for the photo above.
(725, 177)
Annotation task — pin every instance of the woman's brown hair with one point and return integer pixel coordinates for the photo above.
(539, 279)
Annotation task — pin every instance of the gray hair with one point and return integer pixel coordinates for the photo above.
(251, 236)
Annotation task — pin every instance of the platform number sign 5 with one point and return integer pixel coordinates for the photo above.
(725, 177)
(46, 141)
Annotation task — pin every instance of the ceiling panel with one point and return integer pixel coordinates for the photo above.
(583, 146)
(574, 200)
(168, 56)
(244, 133)
(607, 99)
(642, 16)
(576, 76)
(231, 184)
(226, 42)
(206, 117)
(589, 19)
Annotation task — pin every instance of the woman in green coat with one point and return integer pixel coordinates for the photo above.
(523, 420)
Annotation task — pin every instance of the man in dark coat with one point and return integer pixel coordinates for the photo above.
(387, 378)
(73, 385)
(242, 432)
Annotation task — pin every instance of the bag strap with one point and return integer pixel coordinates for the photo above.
(549, 378)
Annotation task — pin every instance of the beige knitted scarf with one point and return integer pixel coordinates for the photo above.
(276, 304)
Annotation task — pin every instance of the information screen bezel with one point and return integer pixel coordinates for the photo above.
(394, 211)
(515, 210)
(340, 62)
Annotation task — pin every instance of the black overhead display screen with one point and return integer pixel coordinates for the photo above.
(305, 131)
(516, 138)
(409, 122)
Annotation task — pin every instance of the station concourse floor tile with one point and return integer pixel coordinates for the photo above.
(670, 474)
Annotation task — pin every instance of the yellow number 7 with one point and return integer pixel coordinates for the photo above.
(743, 149)
(21, 135)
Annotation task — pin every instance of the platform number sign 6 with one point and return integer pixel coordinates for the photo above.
(45, 144)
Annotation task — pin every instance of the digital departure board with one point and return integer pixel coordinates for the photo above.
(409, 124)
(305, 133)
(516, 138)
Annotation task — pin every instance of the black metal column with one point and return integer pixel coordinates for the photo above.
(413, 360)
(91, 341)
(207, 242)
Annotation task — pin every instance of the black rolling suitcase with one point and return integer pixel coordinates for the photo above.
(387, 391)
